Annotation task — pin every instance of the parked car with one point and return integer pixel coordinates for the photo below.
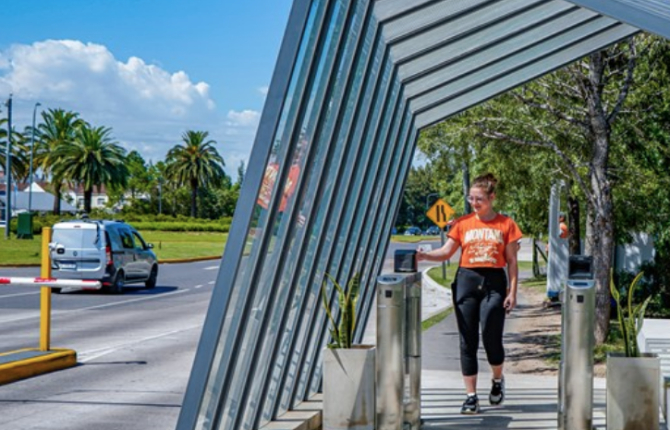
(433, 230)
(111, 252)
(413, 231)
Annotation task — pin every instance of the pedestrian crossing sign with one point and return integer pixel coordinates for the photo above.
(440, 213)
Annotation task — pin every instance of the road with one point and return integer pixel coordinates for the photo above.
(135, 351)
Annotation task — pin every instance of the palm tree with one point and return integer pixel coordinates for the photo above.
(91, 160)
(57, 129)
(19, 162)
(195, 162)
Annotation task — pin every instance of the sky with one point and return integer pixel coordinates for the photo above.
(148, 69)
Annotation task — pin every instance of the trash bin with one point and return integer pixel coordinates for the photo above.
(24, 229)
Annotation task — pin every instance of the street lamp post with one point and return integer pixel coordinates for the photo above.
(8, 169)
(32, 145)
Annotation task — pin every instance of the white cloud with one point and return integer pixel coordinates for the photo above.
(245, 118)
(263, 90)
(147, 107)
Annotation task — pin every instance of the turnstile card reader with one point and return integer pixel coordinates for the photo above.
(404, 260)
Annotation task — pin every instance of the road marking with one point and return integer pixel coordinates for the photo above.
(211, 268)
(211, 282)
(97, 353)
(198, 286)
(105, 305)
(141, 299)
(19, 294)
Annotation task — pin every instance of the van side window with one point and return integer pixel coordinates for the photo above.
(115, 242)
(126, 239)
(139, 242)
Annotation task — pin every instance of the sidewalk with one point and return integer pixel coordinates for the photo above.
(531, 401)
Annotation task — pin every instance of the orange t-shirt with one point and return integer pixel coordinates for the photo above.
(483, 242)
(564, 230)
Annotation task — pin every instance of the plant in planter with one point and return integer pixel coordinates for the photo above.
(633, 378)
(349, 369)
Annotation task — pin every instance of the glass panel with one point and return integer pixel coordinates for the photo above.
(342, 268)
(324, 215)
(339, 208)
(375, 216)
(363, 187)
(282, 273)
(268, 294)
(383, 199)
(318, 195)
(231, 325)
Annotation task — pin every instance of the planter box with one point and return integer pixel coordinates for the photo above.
(349, 388)
(633, 392)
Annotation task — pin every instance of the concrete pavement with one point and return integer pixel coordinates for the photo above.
(531, 401)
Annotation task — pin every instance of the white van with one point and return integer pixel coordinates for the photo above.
(111, 252)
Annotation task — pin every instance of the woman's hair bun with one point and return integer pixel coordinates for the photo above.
(487, 181)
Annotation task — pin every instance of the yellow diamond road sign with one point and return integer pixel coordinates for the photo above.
(440, 213)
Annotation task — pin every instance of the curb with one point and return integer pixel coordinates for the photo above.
(189, 260)
(49, 361)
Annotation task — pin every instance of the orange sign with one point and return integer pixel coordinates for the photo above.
(440, 213)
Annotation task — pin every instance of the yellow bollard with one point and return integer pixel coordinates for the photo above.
(45, 293)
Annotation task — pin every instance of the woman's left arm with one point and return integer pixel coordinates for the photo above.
(513, 273)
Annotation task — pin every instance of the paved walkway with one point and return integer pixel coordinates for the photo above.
(531, 401)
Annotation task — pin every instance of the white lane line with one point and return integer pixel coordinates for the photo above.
(211, 283)
(18, 295)
(211, 268)
(106, 305)
(198, 286)
(97, 353)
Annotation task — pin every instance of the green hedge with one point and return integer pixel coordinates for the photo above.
(142, 222)
(180, 226)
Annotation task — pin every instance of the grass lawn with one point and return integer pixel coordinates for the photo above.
(167, 245)
(19, 251)
(401, 238)
(436, 319)
(170, 244)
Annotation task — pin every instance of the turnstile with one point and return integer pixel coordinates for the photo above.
(575, 384)
(399, 351)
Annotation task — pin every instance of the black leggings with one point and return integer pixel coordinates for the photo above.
(478, 296)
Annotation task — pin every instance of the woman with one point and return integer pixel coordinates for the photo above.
(481, 291)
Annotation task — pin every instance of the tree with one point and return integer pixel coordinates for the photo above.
(139, 176)
(195, 162)
(418, 187)
(57, 129)
(92, 159)
(569, 118)
(19, 162)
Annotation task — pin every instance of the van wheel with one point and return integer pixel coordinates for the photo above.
(119, 282)
(153, 277)
(55, 290)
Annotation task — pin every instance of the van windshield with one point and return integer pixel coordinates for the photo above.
(75, 237)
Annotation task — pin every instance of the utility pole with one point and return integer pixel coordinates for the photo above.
(8, 169)
(32, 145)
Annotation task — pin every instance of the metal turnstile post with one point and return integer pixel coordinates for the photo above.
(575, 385)
(398, 363)
(412, 397)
